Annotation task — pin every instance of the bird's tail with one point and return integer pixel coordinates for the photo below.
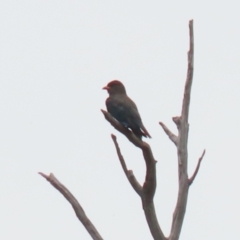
(146, 134)
(141, 132)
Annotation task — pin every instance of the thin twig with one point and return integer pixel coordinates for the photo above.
(75, 204)
(191, 179)
(129, 174)
(171, 135)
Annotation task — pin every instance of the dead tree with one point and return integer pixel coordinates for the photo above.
(147, 191)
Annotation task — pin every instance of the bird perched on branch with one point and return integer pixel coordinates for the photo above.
(123, 109)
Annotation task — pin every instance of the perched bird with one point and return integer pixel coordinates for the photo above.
(123, 109)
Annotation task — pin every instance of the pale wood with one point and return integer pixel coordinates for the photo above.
(82, 217)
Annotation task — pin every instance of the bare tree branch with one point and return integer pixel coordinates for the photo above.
(188, 84)
(75, 204)
(171, 135)
(149, 187)
(183, 127)
(129, 174)
(150, 214)
(191, 179)
(150, 183)
(131, 137)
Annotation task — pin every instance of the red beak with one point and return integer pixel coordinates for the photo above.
(105, 88)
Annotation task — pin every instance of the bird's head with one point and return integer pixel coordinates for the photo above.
(115, 87)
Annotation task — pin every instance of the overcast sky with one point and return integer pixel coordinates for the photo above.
(55, 57)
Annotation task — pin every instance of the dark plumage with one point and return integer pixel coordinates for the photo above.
(123, 109)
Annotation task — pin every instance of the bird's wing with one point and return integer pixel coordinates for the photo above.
(120, 110)
(136, 116)
(124, 110)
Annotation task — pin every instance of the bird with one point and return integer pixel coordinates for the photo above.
(123, 109)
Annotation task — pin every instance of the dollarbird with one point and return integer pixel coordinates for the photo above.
(123, 109)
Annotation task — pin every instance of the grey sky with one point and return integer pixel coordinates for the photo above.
(55, 57)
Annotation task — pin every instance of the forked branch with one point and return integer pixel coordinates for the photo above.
(183, 127)
(171, 135)
(146, 192)
(129, 173)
